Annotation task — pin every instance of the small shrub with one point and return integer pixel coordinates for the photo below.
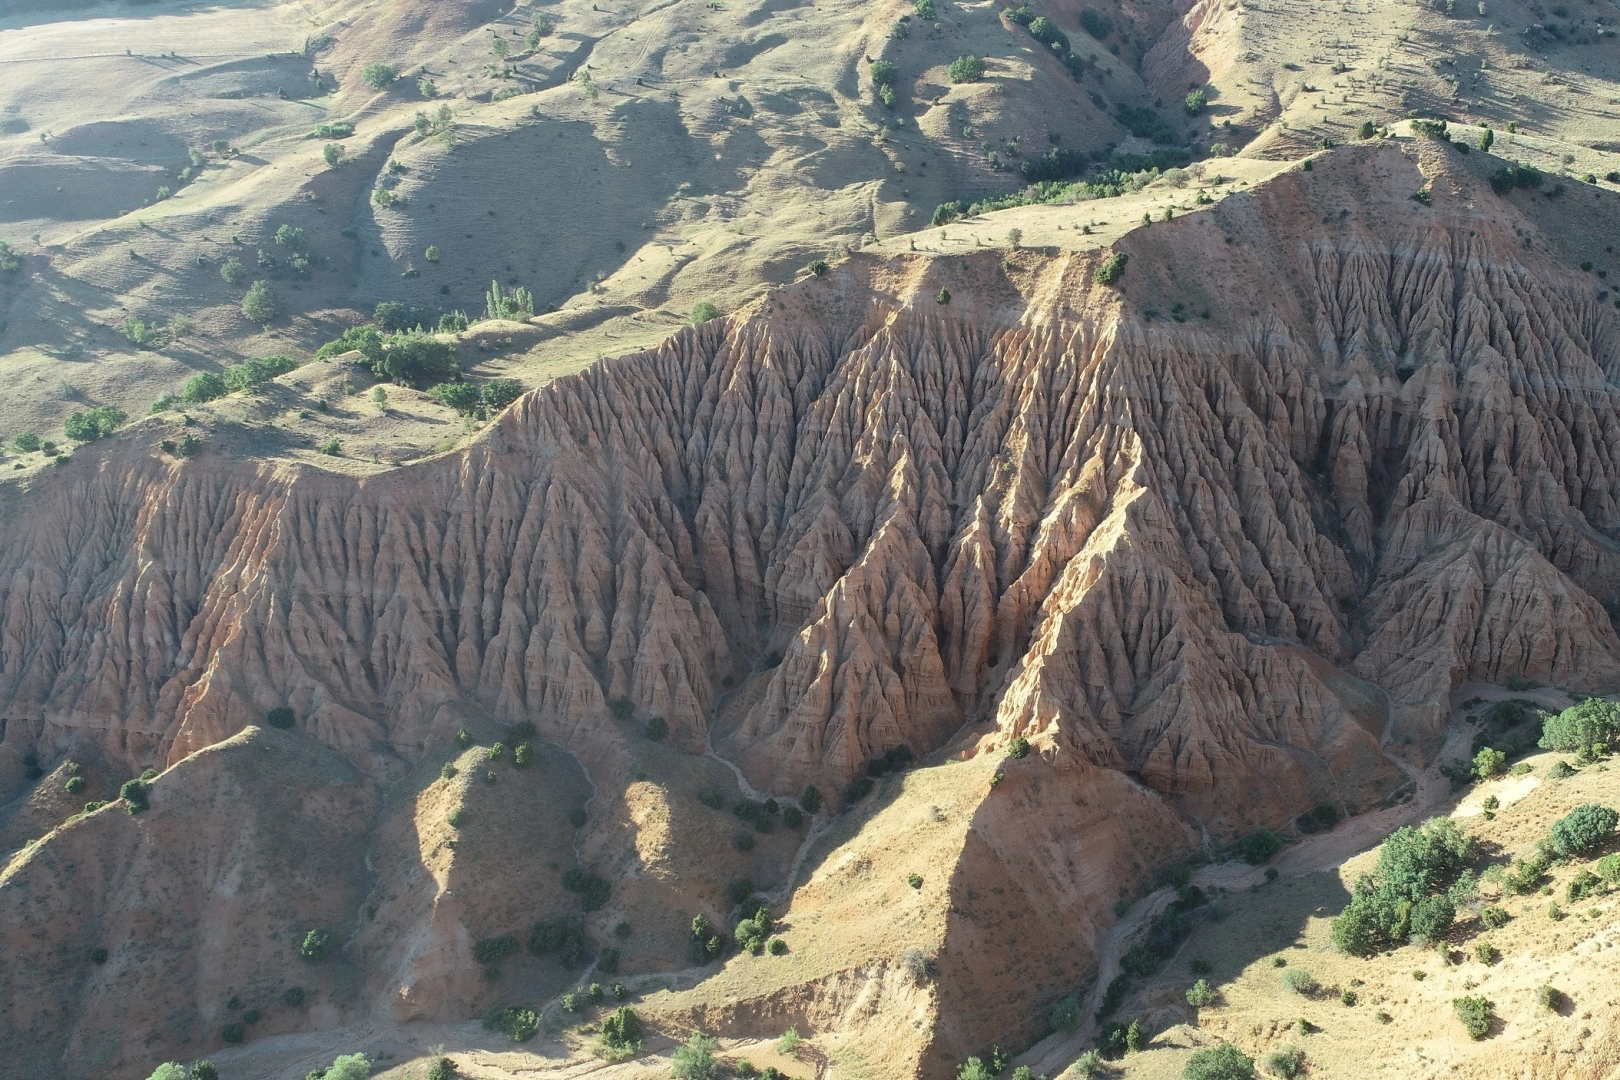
(1197, 101)
(332, 154)
(1583, 830)
(1260, 847)
(1486, 953)
(331, 448)
(441, 1067)
(293, 997)
(233, 1033)
(1494, 917)
(818, 267)
(348, 1067)
(1019, 747)
(377, 75)
(1301, 982)
(204, 1070)
(1111, 269)
(1288, 1062)
(966, 69)
(1200, 994)
(280, 717)
(316, 946)
(26, 443)
(703, 311)
(74, 785)
(1582, 885)
(522, 756)
(1223, 1062)
(233, 271)
(810, 800)
(98, 956)
(695, 1059)
(788, 1045)
(1475, 1014)
(593, 890)
(657, 729)
(1348, 997)
(1551, 999)
(914, 880)
(883, 73)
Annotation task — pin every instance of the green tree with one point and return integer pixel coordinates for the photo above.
(291, 236)
(1583, 830)
(27, 442)
(259, 305)
(1223, 1062)
(966, 69)
(695, 1059)
(1592, 724)
(1197, 101)
(883, 72)
(333, 155)
(1111, 269)
(378, 75)
(89, 426)
(432, 253)
(460, 396)
(412, 359)
(233, 271)
(205, 386)
(974, 1069)
(1489, 763)
(497, 394)
(517, 304)
(10, 261)
(1475, 1014)
(348, 1067)
(703, 311)
(1486, 139)
(169, 1070)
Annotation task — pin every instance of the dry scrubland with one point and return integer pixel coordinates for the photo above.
(1054, 537)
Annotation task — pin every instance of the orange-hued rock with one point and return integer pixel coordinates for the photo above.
(1218, 541)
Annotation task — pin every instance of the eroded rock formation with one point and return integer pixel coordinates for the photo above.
(1241, 553)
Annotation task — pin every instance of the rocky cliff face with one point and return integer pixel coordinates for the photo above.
(1241, 551)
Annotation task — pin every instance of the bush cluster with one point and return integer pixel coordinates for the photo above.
(754, 928)
(593, 890)
(517, 1023)
(1590, 727)
(621, 1035)
(470, 400)
(564, 937)
(1406, 895)
(707, 942)
(1583, 830)
(366, 340)
(134, 794)
(494, 950)
(414, 358)
(90, 425)
(1164, 934)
